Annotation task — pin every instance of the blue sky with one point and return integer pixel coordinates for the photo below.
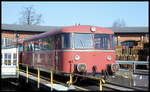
(86, 13)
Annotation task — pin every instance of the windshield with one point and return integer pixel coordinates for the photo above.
(103, 41)
(83, 40)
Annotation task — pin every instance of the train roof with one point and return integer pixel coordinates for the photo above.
(75, 29)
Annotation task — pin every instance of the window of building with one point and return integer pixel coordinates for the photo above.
(14, 59)
(129, 43)
(7, 58)
(6, 41)
(2, 58)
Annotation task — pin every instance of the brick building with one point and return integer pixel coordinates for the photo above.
(9, 32)
(124, 34)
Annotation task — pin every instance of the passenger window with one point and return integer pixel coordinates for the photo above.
(66, 40)
(50, 41)
(46, 43)
(36, 46)
(58, 41)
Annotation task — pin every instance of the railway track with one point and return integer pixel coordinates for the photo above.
(83, 84)
(93, 85)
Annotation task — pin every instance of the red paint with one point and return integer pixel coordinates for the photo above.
(89, 58)
(86, 29)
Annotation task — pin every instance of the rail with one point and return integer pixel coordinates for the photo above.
(132, 62)
(135, 63)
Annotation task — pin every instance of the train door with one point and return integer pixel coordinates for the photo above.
(57, 47)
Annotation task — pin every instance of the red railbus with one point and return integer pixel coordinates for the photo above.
(77, 49)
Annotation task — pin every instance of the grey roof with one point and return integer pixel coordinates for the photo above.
(130, 29)
(14, 27)
(31, 28)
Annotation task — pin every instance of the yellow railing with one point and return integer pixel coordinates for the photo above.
(38, 77)
(100, 84)
(51, 80)
(70, 82)
(27, 72)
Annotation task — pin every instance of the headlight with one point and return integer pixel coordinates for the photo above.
(115, 67)
(109, 58)
(77, 57)
(81, 67)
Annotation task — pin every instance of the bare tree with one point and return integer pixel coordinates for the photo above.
(119, 23)
(29, 16)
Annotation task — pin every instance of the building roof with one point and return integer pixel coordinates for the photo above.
(130, 29)
(31, 28)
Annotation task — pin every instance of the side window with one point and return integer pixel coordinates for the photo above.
(66, 40)
(36, 45)
(58, 41)
(50, 41)
(30, 46)
(40, 44)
